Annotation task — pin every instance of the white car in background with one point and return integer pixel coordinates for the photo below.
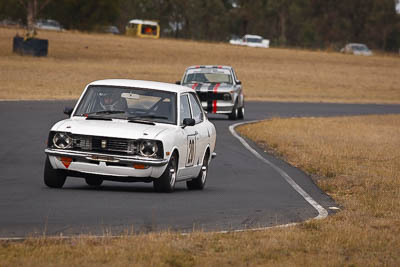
(356, 49)
(251, 41)
(48, 24)
(132, 131)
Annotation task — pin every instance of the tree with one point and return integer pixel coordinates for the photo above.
(32, 8)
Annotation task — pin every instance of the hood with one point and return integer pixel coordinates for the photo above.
(205, 87)
(114, 128)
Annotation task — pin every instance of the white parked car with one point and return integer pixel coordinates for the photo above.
(48, 24)
(132, 131)
(251, 40)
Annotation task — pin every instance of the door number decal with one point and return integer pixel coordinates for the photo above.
(191, 152)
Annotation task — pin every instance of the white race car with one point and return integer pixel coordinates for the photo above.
(132, 131)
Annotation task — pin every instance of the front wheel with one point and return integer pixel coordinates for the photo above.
(200, 181)
(234, 114)
(166, 182)
(241, 113)
(52, 177)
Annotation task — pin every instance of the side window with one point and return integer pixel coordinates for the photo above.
(197, 110)
(234, 76)
(184, 108)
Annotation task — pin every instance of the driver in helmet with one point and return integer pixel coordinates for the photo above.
(112, 101)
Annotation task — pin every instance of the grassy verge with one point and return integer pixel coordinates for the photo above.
(355, 159)
(75, 59)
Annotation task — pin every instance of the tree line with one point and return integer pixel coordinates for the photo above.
(299, 23)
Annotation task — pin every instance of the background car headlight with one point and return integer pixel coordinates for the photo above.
(227, 97)
(148, 148)
(62, 141)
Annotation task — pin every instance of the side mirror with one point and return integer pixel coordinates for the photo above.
(68, 111)
(238, 82)
(178, 82)
(188, 122)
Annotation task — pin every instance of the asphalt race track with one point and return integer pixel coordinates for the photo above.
(242, 191)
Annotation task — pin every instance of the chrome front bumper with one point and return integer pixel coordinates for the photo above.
(224, 107)
(106, 157)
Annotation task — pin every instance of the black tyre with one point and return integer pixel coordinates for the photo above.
(234, 114)
(93, 181)
(166, 182)
(53, 178)
(200, 181)
(241, 113)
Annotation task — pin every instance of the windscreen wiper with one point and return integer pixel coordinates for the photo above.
(97, 115)
(106, 112)
(152, 117)
(138, 120)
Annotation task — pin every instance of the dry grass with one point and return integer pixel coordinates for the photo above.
(356, 160)
(268, 74)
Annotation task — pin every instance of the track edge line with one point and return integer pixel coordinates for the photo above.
(322, 212)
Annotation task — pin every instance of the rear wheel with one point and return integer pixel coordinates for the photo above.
(166, 182)
(52, 177)
(200, 181)
(93, 181)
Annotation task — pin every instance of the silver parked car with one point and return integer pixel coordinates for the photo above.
(218, 88)
(356, 49)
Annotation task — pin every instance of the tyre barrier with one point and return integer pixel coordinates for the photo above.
(32, 46)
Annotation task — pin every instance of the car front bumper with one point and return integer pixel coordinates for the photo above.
(218, 106)
(105, 164)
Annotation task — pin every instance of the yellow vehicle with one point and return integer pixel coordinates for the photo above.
(143, 28)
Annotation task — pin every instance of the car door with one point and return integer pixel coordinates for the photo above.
(201, 130)
(188, 154)
(238, 89)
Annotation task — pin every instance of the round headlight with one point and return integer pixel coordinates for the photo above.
(148, 148)
(227, 97)
(62, 141)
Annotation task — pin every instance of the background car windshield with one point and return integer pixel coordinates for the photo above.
(208, 76)
(147, 104)
(360, 47)
(254, 40)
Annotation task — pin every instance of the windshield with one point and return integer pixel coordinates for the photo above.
(204, 75)
(254, 40)
(132, 104)
(360, 48)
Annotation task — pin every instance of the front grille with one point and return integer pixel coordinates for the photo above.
(204, 96)
(105, 144)
(109, 144)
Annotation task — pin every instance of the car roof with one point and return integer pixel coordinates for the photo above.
(253, 36)
(139, 21)
(169, 87)
(209, 67)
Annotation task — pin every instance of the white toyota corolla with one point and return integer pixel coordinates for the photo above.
(132, 131)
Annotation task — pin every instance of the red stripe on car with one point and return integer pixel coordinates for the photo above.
(194, 86)
(215, 101)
